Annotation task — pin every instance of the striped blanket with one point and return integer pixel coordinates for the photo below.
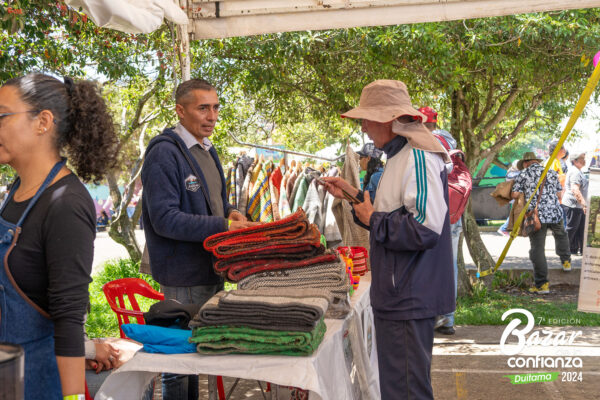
(234, 269)
(330, 276)
(274, 309)
(244, 340)
(286, 234)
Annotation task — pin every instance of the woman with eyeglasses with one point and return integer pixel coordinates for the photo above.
(47, 224)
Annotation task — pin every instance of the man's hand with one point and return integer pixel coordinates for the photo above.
(336, 185)
(235, 225)
(364, 210)
(235, 215)
(107, 357)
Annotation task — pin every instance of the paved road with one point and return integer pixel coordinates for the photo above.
(518, 254)
(105, 249)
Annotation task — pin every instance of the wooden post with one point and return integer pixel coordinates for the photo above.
(183, 44)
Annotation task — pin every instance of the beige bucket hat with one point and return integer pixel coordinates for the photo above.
(385, 100)
(529, 156)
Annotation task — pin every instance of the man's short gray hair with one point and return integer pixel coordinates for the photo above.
(185, 88)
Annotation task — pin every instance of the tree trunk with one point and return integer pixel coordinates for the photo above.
(122, 230)
(463, 284)
(481, 257)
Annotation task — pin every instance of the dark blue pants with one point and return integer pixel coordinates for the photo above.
(575, 228)
(404, 355)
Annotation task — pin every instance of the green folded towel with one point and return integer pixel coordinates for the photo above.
(227, 339)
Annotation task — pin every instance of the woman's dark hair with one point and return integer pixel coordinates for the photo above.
(373, 165)
(84, 127)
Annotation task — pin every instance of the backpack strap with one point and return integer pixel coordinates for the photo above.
(443, 141)
(537, 203)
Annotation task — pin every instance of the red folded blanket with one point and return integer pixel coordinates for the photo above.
(236, 270)
(286, 235)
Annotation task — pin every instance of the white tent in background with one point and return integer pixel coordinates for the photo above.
(227, 18)
(131, 16)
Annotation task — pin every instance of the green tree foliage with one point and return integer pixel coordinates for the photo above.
(493, 80)
(136, 70)
(38, 35)
(141, 109)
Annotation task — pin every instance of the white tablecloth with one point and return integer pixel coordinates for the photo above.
(343, 367)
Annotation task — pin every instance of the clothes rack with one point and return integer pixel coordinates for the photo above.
(297, 153)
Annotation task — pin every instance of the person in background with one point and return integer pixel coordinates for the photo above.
(511, 174)
(409, 227)
(102, 220)
(550, 215)
(184, 201)
(574, 203)
(48, 214)
(370, 161)
(558, 164)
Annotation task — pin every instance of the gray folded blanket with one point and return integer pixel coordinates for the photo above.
(331, 277)
(295, 309)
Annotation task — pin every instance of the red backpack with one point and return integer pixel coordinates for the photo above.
(460, 183)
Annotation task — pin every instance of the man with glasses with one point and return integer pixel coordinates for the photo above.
(183, 203)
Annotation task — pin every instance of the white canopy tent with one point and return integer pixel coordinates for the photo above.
(227, 18)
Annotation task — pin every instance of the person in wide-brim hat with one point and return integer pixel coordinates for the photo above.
(386, 100)
(529, 156)
(409, 224)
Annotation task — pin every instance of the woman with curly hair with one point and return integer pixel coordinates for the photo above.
(47, 224)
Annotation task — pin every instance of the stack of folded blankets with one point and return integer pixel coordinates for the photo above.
(266, 321)
(285, 253)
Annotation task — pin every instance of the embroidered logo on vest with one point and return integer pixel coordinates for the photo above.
(191, 183)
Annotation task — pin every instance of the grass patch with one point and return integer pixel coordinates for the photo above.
(102, 321)
(485, 307)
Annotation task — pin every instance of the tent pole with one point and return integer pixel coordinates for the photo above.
(183, 38)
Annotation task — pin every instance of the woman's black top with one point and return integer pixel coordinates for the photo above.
(52, 261)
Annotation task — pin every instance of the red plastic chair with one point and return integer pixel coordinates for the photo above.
(115, 292)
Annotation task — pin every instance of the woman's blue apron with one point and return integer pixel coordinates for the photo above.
(22, 321)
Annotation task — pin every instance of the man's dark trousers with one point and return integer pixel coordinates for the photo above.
(537, 253)
(404, 356)
(185, 387)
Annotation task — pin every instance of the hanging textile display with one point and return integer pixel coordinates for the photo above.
(259, 202)
(263, 192)
(352, 234)
(230, 186)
